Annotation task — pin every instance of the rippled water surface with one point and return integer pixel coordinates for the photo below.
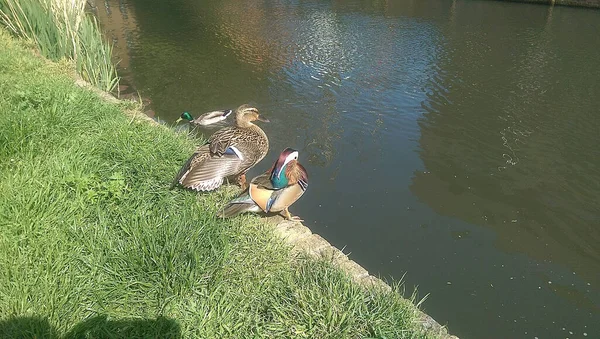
(454, 141)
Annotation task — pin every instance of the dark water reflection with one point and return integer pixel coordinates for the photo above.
(456, 141)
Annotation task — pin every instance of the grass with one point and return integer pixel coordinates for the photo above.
(94, 244)
(61, 29)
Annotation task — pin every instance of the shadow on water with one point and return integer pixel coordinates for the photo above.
(94, 327)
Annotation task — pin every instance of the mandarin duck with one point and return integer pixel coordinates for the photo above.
(273, 191)
(229, 152)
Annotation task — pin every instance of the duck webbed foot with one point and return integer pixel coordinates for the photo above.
(242, 182)
(290, 217)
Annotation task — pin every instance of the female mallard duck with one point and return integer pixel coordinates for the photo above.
(230, 152)
(206, 118)
(275, 190)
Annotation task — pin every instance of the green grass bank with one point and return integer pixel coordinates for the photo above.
(94, 244)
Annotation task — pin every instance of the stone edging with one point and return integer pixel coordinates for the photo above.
(303, 240)
(571, 3)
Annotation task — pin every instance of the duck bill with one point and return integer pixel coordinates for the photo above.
(261, 118)
(178, 120)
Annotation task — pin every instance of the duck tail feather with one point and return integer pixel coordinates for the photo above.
(231, 210)
(184, 169)
(237, 206)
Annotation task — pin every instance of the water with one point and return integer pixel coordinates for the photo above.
(455, 142)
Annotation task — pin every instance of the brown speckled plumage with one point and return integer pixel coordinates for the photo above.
(230, 152)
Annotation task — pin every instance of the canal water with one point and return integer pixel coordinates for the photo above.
(454, 144)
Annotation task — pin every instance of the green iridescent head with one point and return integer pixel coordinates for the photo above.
(187, 116)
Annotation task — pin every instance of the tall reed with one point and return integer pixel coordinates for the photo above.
(62, 29)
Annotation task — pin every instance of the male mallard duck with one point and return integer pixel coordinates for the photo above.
(230, 152)
(275, 190)
(206, 118)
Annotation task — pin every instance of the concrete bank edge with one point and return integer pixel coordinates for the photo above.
(567, 3)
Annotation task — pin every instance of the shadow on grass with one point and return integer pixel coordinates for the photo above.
(95, 327)
(27, 327)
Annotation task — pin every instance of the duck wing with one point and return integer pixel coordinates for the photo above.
(205, 172)
(284, 198)
(184, 169)
(222, 139)
(263, 181)
(275, 200)
(250, 144)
